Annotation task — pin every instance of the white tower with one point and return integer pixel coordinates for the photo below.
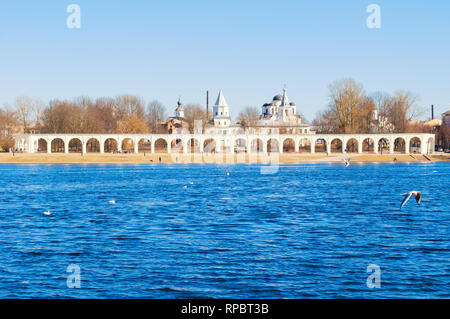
(221, 112)
(179, 111)
(284, 107)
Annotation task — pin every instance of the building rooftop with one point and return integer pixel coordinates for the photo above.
(434, 122)
(221, 100)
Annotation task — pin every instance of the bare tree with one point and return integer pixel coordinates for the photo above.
(128, 105)
(351, 111)
(39, 107)
(325, 122)
(346, 100)
(155, 115)
(382, 101)
(104, 114)
(8, 123)
(133, 124)
(248, 117)
(192, 113)
(402, 110)
(24, 107)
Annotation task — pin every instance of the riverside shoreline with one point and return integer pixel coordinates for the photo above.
(77, 158)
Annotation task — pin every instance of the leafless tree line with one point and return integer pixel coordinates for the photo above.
(351, 110)
(122, 114)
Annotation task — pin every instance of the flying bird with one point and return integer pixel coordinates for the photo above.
(347, 162)
(417, 195)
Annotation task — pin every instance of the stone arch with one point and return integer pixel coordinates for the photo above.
(161, 146)
(257, 145)
(42, 145)
(288, 145)
(320, 145)
(144, 145)
(57, 145)
(128, 145)
(304, 145)
(75, 145)
(111, 145)
(193, 145)
(209, 145)
(415, 145)
(383, 145)
(336, 145)
(273, 146)
(93, 145)
(368, 145)
(240, 145)
(176, 146)
(352, 145)
(400, 145)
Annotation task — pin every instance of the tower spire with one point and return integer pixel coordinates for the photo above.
(221, 100)
(285, 100)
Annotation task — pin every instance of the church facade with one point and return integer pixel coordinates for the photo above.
(280, 115)
(277, 117)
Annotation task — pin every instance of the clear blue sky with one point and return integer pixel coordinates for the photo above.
(250, 49)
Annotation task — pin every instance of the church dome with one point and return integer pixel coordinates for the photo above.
(278, 97)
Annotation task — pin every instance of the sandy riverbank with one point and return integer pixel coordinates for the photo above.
(43, 158)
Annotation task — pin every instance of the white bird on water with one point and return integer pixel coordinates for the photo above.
(112, 201)
(228, 173)
(417, 195)
(47, 213)
(185, 186)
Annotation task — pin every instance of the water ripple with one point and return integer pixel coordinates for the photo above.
(308, 231)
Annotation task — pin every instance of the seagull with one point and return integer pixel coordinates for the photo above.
(347, 162)
(112, 201)
(192, 183)
(417, 195)
(228, 173)
(184, 186)
(47, 213)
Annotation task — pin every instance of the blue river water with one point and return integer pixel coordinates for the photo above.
(304, 231)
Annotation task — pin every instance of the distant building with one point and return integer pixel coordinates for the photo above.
(443, 138)
(278, 117)
(221, 122)
(281, 116)
(434, 123)
(446, 118)
(177, 124)
(380, 123)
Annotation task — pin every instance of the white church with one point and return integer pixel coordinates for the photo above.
(278, 116)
